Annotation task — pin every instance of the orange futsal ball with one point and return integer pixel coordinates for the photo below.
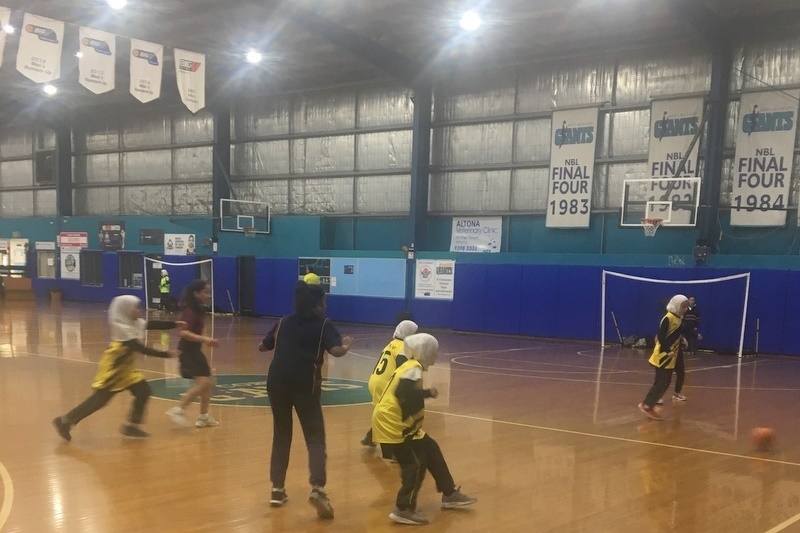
(763, 438)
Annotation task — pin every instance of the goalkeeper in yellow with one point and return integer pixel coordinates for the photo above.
(397, 426)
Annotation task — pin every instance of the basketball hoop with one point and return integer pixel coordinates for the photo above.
(651, 225)
(249, 231)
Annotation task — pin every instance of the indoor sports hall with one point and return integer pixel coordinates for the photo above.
(578, 199)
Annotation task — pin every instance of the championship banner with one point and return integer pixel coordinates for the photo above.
(147, 62)
(190, 71)
(5, 18)
(673, 126)
(179, 244)
(476, 234)
(97, 59)
(70, 263)
(762, 168)
(39, 51)
(571, 168)
(435, 278)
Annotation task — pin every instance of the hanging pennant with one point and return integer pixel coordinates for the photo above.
(96, 61)
(190, 71)
(5, 17)
(147, 61)
(39, 52)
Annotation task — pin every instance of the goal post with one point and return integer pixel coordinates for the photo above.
(640, 300)
(180, 275)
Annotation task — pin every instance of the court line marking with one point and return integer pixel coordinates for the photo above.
(784, 525)
(8, 495)
(611, 437)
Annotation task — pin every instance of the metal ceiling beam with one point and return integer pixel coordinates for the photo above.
(363, 48)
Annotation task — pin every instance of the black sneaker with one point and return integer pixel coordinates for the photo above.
(134, 432)
(320, 501)
(62, 428)
(278, 498)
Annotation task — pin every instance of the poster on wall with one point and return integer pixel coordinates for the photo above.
(73, 239)
(179, 244)
(111, 236)
(762, 167)
(151, 236)
(476, 234)
(572, 151)
(18, 252)
(435, 278)
(70, 263)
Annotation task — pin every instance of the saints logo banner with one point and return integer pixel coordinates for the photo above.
(147, 62)
(70, 263)
(673, 126)
(96, 60)
(5, 18)
(762, 168)
(39, 51)
(572, 146)
(190, 71)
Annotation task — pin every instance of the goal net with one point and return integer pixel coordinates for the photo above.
(634, 305)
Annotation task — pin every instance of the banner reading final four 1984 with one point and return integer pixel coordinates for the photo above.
(673, 126)
(571, 168)
(762, 168)
(39, 51)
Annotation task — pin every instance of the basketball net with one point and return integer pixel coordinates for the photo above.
(651, 225)
(249, 232)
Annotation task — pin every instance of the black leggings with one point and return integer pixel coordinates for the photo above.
(680, 373)
(100, 397)
(415, 457)
(282, 399)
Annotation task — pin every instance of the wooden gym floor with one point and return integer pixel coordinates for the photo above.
(546, 434)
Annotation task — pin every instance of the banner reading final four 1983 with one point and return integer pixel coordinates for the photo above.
(39, 51)
(762, 168)
(571, 168)
(673, 126)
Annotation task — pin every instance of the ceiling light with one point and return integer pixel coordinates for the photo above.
(9, 29)
(117, 4)
(471, 21)
(253, 56)
(49, 90)
(79, 54)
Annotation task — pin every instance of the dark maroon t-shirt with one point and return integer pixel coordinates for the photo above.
(194, 320)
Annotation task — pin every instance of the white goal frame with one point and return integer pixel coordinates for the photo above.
(190, 263)
(745, 276)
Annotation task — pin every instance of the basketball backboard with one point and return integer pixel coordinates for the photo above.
(674, 200)
(236, 215)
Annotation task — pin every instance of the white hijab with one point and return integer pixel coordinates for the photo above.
(123, 326)
(422, 347)
(674, 305)
(404, 329)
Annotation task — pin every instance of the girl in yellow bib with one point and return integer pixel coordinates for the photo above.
(397, 426)
(665, 354)
(391, 357)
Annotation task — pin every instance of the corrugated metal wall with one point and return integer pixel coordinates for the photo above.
(348, 151)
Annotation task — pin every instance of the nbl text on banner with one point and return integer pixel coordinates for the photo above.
(762, 168)
(574, 133)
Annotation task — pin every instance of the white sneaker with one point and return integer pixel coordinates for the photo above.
(178, 416)
(205, 422)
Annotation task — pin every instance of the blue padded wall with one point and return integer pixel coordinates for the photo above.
(539, 300)
(503, 299)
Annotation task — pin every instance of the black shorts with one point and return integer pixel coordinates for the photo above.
(193, 362)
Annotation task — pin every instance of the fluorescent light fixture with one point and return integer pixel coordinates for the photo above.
(49, 90)
(79, 54)
(471, 20)
(253, 56)
(9, 29)
(117, 4)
